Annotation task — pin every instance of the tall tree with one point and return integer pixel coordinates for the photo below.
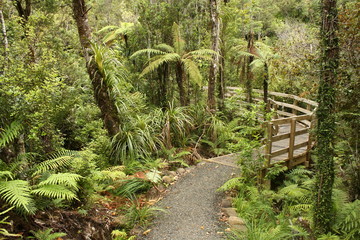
(101, 89)
(323, 209)
(214, 66)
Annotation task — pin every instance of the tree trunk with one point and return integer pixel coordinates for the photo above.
(3, 29)
(323, 208)
(180, 79)
(102, 96)
(249, 74)
(215, 33)
(266, 88)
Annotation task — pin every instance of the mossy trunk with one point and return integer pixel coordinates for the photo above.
(323, 207)
(102, 96)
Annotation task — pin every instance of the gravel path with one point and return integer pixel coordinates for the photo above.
(193, 205)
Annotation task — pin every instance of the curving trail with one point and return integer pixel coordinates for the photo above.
(193, 205)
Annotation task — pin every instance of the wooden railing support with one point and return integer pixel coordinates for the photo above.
(291, 141)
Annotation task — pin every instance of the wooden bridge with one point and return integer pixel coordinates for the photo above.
(288, 136)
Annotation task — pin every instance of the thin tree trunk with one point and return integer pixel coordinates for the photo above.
(215, 34)
(249, 74)
(102, 96)
(3, 29)
(323, 207)
(266, 87)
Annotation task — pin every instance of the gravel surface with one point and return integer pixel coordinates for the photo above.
(192, 205)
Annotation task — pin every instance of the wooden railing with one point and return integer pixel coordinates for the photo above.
(288, 136)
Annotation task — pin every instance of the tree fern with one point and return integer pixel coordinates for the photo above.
(55, 192)
(17, 194)
(10, 133)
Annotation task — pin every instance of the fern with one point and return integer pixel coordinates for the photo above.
(6, 174)
(10, 133)
(66, 179)
(47, 235)
(232, 184)
(57, 161)
(17, 194)
(55, 192)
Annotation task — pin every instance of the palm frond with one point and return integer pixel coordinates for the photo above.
(150, 51)
(17, 194)
(169, 57)
(10, 133)
(55, 192)
(66, 179)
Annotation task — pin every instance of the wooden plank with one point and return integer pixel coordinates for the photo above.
(293, 107)
(285, 95)
(301, 132)
(300, 145)
(280, 137)
(287, 135)
(283, 113)
(279, 152)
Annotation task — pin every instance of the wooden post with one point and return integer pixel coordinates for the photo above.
(294, 110)
(292, 141)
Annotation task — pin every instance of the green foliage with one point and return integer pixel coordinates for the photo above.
(47, 235)
(56, 161)
(3, 231)
(17, 193)
(140, 216)
(129, 188)
(10, 133)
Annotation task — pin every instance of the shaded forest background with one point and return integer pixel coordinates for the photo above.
(131, 90)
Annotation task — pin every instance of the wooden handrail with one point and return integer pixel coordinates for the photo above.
(290, 110)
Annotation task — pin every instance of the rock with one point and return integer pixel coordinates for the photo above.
(226, 203)
(167, 179)
(181, 171)
(241, 228)
(172, 173)
(229, 212)
(236, 221)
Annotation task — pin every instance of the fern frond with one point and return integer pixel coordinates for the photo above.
(66, 179)
(5, 174)
(179, 43)
(234, 183)
(56, 161)
(169, 57)
(10, 133)
(17, 194)
(293, 191)
(47, 235)
(55, 192)
(150, 51)
(193, 71)
(166, 48)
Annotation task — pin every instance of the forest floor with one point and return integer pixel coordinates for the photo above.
(192, 204)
